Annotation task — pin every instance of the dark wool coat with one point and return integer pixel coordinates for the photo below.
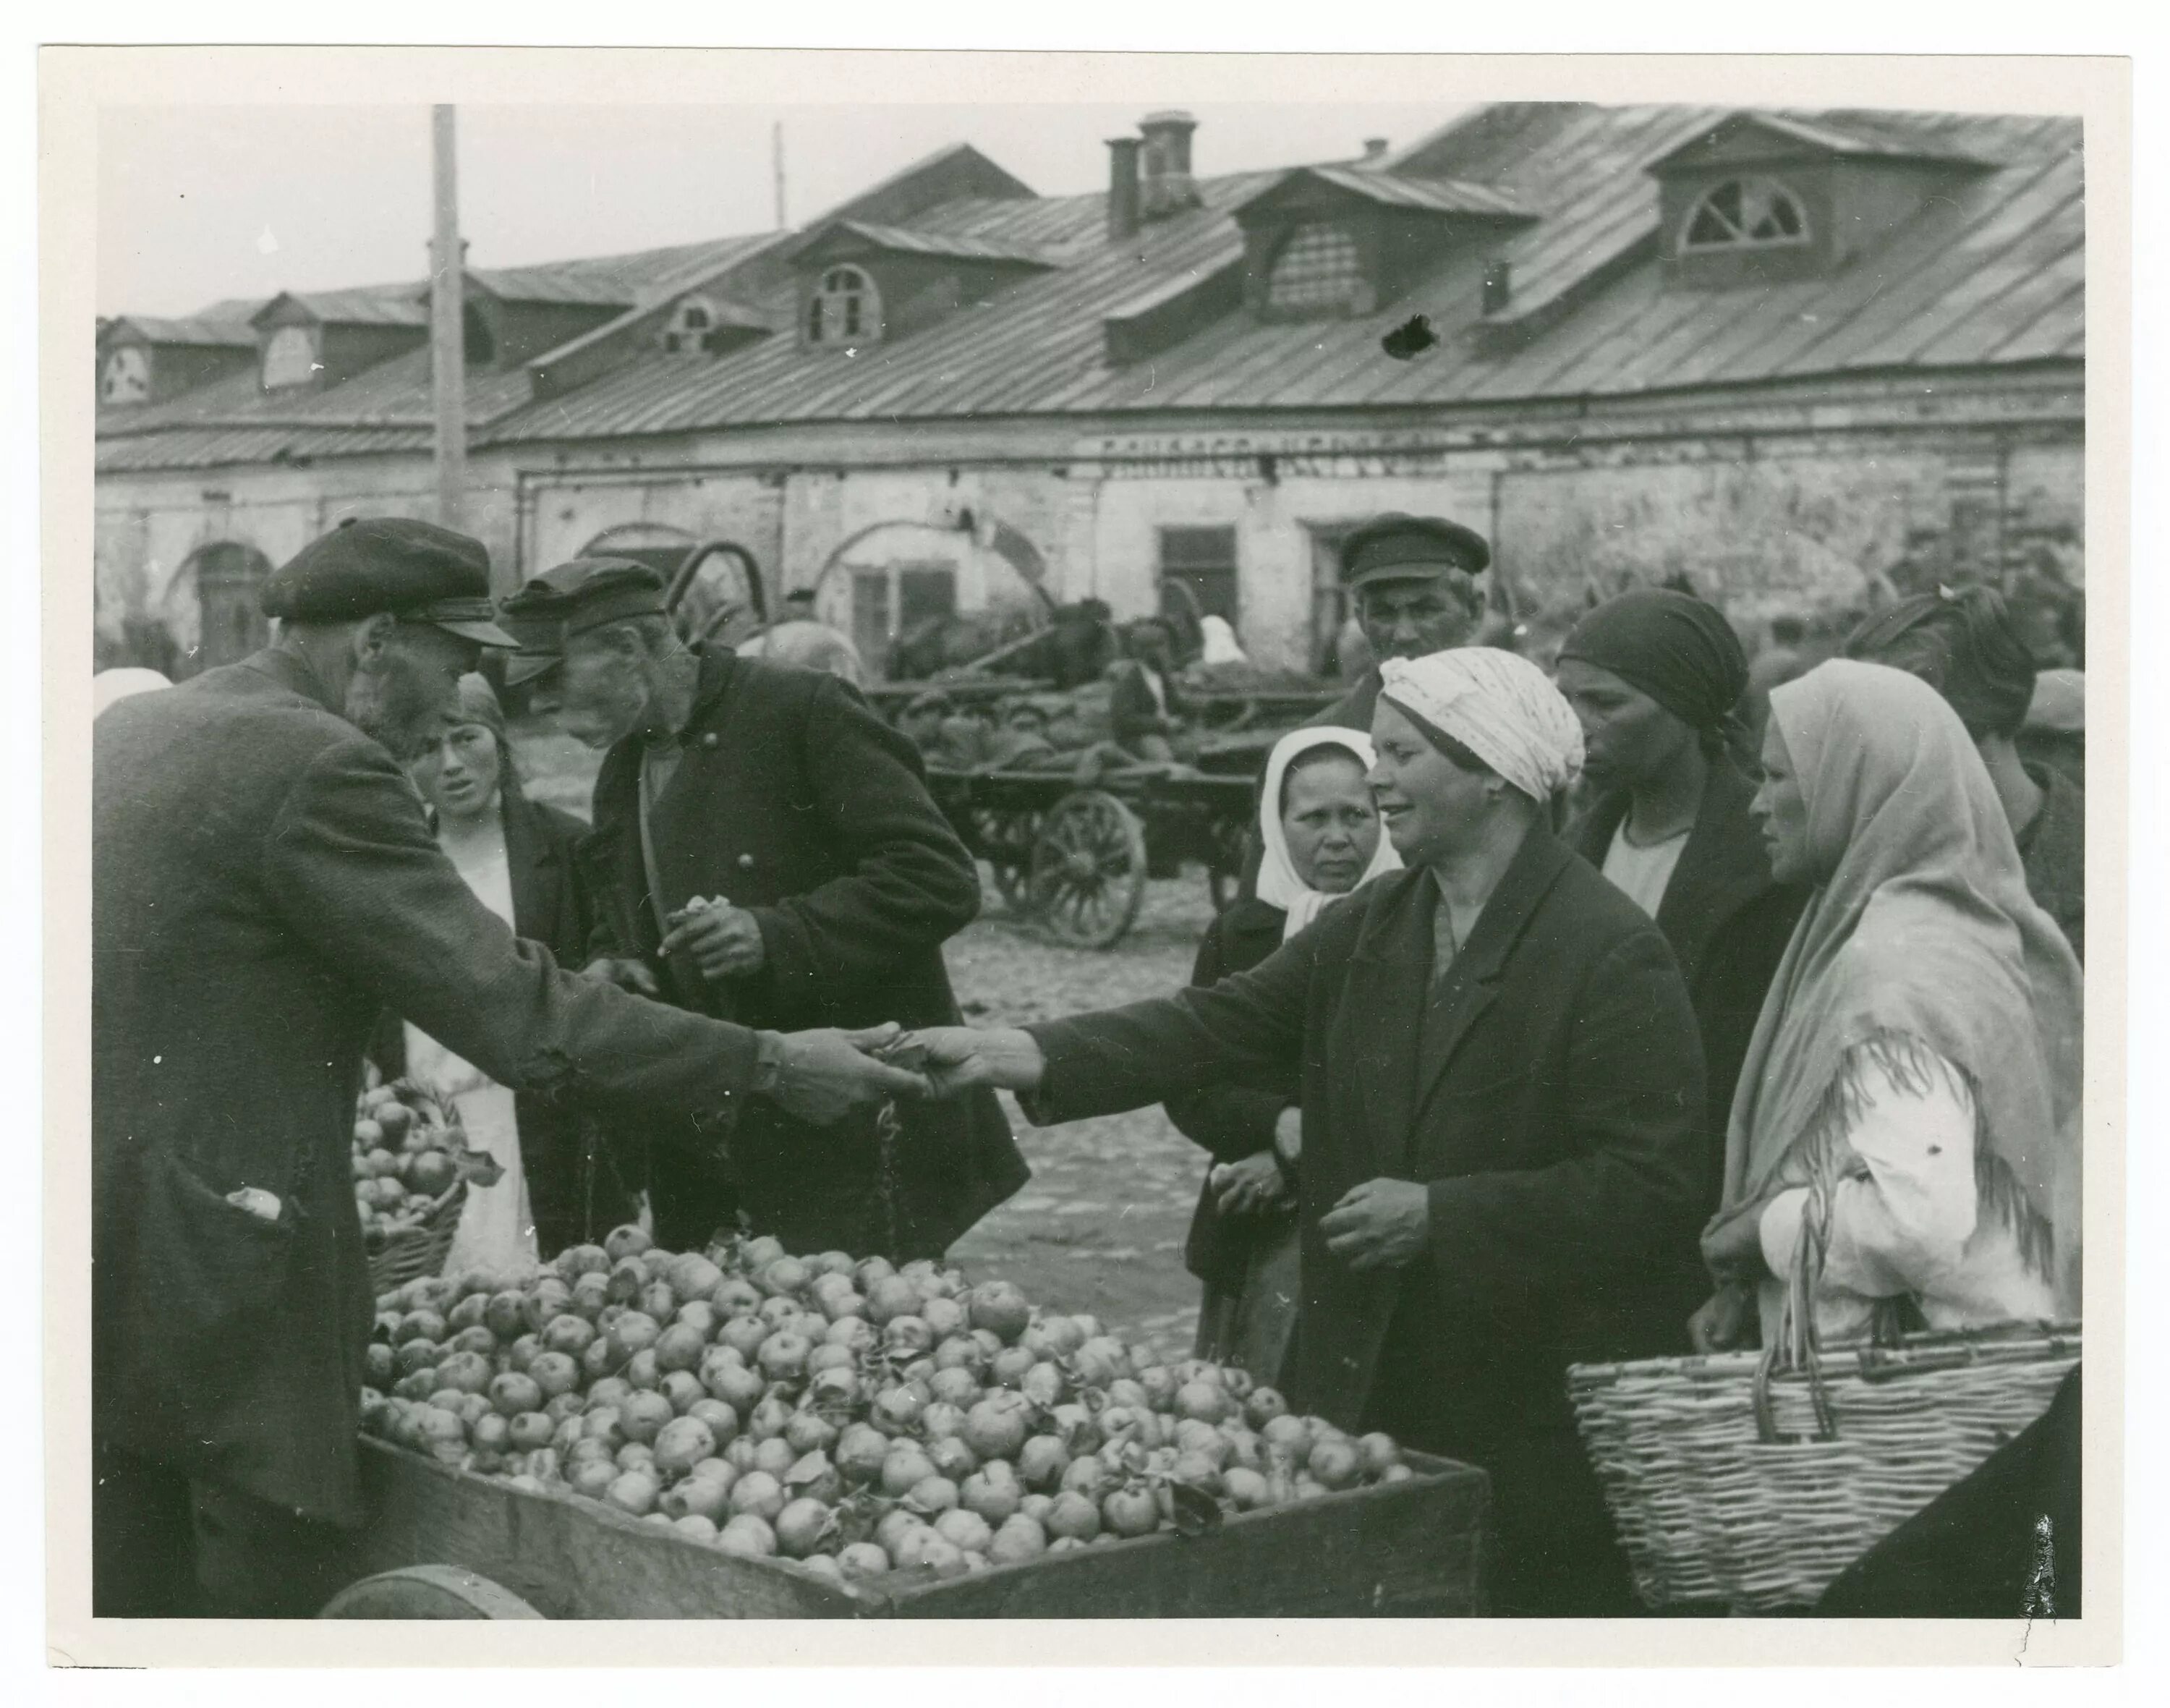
(796, 801)
(2054, 852)
(264, 885)
(1229, 1122)
(1553, 1108)
(580, 1184)
(1728, 922)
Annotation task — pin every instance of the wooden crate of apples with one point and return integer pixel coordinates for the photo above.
(409, 1152)
(857, 1419)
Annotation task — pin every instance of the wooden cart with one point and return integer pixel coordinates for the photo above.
(443, 1543)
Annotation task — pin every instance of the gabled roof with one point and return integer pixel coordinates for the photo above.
(1424, 195)
(854, 235)
(353, 307)
(1851, 136)
(150, 329)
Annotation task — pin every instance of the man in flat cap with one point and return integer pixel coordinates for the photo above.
(765, 850)
(263, 884)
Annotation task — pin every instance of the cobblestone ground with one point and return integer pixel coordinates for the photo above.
(1100, 1227)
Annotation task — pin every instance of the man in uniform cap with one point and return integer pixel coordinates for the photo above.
(1411, 581)
(765, 850)
(264, 885)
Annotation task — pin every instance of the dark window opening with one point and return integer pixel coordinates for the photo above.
(1203, 560)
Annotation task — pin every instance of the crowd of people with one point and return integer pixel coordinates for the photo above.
(1561, 1007)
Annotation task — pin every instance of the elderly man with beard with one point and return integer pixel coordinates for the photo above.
(765, 850)
(263, 884)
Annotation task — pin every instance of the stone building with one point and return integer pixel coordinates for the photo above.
(1790, 357)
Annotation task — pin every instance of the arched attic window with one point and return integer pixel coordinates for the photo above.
(845, 308)
(1319, 271)
(1745, 213)
(690, 325)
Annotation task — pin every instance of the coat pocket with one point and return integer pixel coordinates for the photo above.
(217, 1271)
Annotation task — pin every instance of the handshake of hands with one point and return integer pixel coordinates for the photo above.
(821, 1076)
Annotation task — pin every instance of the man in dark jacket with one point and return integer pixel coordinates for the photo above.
(263, 885)
(765, 850)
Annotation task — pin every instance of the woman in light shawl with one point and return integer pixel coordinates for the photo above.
(1320, 831)
(1913, 1084)
(1501, 1091)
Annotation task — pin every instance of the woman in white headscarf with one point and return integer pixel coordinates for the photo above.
(1501, 1084)
(1320, 831)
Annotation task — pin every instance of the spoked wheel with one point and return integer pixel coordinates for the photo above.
(1088, 869)
(1005, 841)
(427, 1592)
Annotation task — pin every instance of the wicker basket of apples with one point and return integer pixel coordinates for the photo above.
(874, 1426)
(413, 1169)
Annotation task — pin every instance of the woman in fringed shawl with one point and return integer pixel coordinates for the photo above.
(1918, 1058)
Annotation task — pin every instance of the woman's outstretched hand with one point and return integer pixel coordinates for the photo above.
(962, 1058)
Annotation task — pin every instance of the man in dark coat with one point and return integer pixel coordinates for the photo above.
(263, 884)
(765, 850)
(1496, 1155)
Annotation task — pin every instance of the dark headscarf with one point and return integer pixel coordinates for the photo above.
(1964, 645)
(1670, 646)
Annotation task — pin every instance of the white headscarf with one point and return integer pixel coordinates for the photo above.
(1222, 646)
(1278, 885)
(1500, 706)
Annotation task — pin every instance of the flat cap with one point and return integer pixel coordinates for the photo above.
(572, 598)
(1398, 547)
(391, 565)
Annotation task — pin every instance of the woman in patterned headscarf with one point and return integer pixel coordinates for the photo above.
(1501, 1091)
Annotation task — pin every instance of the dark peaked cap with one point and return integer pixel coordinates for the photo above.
(389, 565)
(572, 598)
(1398, 547)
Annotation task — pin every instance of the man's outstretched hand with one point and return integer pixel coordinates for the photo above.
(821, 1076)
(962, 1058)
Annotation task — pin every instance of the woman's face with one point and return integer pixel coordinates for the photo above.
(459, 773)
(1431, 806)
(1330, 822)
(1781, 812)
(1627, 737)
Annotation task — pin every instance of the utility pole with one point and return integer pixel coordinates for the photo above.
(776, 152)
(448, 382)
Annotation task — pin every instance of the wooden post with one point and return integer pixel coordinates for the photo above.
(447, 340)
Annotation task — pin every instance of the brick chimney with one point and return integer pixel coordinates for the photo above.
(1375, 148)
(1166, 187)
(1122, 187)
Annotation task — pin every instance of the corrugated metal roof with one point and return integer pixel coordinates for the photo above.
(364, 308)
(213, 447)
(1988, 271)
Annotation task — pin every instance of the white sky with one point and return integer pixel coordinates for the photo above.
(200, 203)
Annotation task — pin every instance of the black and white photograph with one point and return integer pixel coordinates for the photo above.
(995, 856)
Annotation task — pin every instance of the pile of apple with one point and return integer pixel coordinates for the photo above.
(408, 1148)
(852, 1417)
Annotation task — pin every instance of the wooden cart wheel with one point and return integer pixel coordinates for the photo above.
(1088, 869)
(1004, 839)
(427, 1592)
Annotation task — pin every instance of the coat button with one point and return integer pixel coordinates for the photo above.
(710, 740)
(745, 863)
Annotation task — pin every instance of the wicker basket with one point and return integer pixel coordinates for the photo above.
(421, 1249)
(1754, 1479)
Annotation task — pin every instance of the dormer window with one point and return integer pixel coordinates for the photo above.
(290, 358)
(1319, 271)
(1745, 213)
(691, 325)
(126, 378)
(844, 309)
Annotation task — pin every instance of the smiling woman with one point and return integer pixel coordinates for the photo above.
(1500, 1090)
